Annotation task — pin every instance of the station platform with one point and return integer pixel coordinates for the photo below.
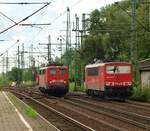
(13, 119)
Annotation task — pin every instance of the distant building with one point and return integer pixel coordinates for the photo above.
(145, 72)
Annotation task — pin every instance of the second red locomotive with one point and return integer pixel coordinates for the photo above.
(110, 79)
(54, 80)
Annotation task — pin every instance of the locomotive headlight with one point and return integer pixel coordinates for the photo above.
(112, 83)
(107, 83)
(65, 82)
(50, 82)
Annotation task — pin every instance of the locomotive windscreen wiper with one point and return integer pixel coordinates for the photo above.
(114, 69)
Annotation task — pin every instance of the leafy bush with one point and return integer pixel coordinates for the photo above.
(77, 88)
(141, 94)
(4, 81)
(27, 83)
(72, 86)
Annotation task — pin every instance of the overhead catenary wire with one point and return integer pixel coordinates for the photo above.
(8, 34)
(7, 17)
(146, 29)
(23, 3)
(24, 19)
(56, 18)
(52, 20)
(35, 24)
(64, 12)
(33, 38)
(31, 24)
(9, 47)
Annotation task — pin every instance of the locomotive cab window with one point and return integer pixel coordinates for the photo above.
(62, 71)
(52, 71)
(118, 69)
(92, 71)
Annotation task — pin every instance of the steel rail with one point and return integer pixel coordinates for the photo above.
(39, 115)
(92, 118)
(84, 114)
(77, 123)
(147, 105)
(131, 103)
(141, 125)
(138, 116)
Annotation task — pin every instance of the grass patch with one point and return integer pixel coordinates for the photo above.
(31, 112)
(72, 87)
(28, 83)
(26, 109)
(1, 87)
(141, 94)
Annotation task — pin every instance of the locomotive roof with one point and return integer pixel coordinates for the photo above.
(102, 64)
(53, 67)
(95, 65)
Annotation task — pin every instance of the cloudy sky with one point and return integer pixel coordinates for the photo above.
(53, 13)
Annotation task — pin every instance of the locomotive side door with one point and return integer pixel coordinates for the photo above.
(92, 78)
(101, 78)
(42, 78)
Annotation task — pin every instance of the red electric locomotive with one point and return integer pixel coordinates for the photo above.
(111, 79)
(54, 80)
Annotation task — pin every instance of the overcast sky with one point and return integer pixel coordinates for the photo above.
(54, 14)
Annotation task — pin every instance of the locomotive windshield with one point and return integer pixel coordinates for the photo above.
(52, 71)
(118, 69)
(63, 71)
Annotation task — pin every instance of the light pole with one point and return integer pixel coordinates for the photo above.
(60, 49)
(66, 54)
(133, 44)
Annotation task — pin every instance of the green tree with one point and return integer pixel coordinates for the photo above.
(15, 74)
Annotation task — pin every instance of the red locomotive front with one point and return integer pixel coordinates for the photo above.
(118, 80)
(111, 79)
(54, 80)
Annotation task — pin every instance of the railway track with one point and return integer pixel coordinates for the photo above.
(117, 121)
(145, 105)
(130, 106)
(58, 119)
(133, 118)
(102, 116)
(140, 105)
(93, 122)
